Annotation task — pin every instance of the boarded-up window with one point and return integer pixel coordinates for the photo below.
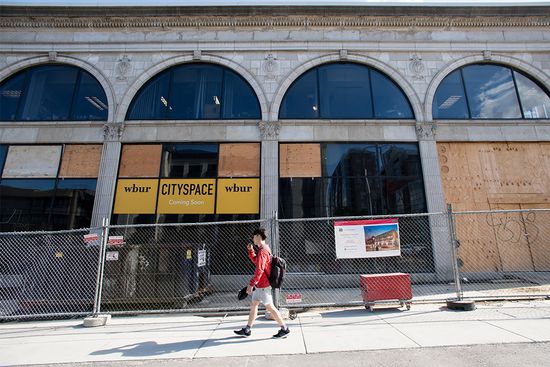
(80, 161)
(140, 161)
(32, 161)
(239, 160)
(300, 160)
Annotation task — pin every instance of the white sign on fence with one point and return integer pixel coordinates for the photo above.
(201, 259)
(294, 298)
(90, 237)
(116, 240)
(111, 256)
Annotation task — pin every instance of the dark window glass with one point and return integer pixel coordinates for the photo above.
(450, 99)
(534, 101)
(90, 101)
(350, 196)
(49, 93)
(3, 154)
(400, 160)
(195, 92)
(404, 195)
(344, 91)
(302, 198)
(73, 203)
(389, 101)
(25, 204)
(358, 179)
(491, 92)
(152, 101)
(190, 160)
(349, 160)
(10, 94)
(238, 102)
(301, 99)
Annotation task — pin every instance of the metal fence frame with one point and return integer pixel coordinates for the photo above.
(453, 289)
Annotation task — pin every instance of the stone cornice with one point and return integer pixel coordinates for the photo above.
(168, 22)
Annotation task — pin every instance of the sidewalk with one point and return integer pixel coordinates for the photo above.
(337, 330)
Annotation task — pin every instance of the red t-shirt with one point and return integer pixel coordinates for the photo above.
(263, 266)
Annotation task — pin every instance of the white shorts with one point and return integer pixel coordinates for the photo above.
(262, 295)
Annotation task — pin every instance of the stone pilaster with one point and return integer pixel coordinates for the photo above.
(435, 200)
(106, 179)
(270, 168)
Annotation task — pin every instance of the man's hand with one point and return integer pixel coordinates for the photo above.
(249, 289)
(250, 247)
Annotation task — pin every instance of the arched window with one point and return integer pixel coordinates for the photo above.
(489, 91)
(195, 92)
(344, 91)
(52, 93)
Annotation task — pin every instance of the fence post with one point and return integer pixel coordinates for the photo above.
(101, 267)
(454, 254)
(276, 250)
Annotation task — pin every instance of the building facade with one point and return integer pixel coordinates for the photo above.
(183, 114)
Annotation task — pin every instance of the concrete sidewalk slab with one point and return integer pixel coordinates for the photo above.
(183, 337)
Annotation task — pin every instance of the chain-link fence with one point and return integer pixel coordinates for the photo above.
(503, 253)
(200, 267)
(47, 273)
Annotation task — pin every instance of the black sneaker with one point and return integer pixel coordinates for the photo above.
(243, 332)
(283, 333)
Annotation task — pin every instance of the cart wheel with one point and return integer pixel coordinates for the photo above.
(292, 315)
(371, 309)
(408, 306)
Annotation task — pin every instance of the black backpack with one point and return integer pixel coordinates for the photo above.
(278, 268)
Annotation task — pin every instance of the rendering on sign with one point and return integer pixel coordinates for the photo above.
(367, 238)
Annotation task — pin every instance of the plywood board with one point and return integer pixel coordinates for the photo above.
(32, 161)
(537, 228)
(300, 160)
(239, 160)
(80, 161)
(140, 161)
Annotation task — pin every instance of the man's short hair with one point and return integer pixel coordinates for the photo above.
(261, 232)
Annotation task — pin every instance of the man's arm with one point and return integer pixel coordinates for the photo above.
(261, 262)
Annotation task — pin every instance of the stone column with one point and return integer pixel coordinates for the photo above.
(106, 180)
(435, 200)
(269, 202)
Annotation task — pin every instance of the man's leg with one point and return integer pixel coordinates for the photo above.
(245, 331)
(276, 314)
(253, 313)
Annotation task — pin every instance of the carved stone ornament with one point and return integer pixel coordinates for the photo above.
(270, 130)
(487, 55)
(425, 131)
(52, 55)
(123, 67)
(270, 66)
(343, 54)
(112, 132)
(197, 54)
(416, 66)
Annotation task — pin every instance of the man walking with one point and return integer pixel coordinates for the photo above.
(259, 286)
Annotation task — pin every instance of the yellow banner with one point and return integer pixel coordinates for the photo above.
(135, 196)
(238, 196)
(186, 196)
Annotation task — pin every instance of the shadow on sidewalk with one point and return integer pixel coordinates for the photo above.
(152, 348)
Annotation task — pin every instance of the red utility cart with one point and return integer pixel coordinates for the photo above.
(394, 288)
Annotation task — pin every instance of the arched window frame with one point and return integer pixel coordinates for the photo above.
(513, 70)
(370, 69)
(76, 89)
(170, 70)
